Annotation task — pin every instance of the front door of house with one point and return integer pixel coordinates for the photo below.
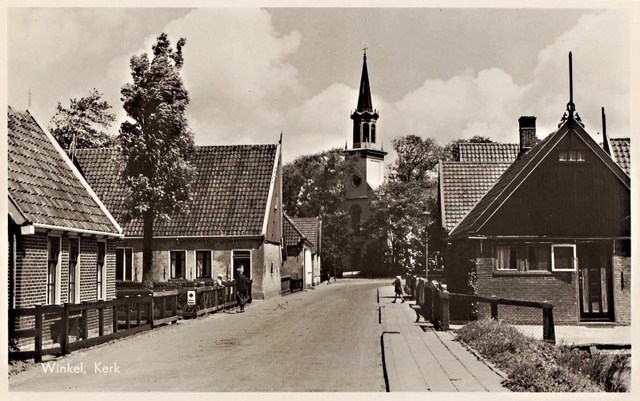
(594, 269)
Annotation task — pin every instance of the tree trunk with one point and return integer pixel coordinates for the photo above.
(147, 249)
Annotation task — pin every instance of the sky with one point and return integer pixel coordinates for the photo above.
(252, 73)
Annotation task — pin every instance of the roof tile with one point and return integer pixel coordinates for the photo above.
(229, 193)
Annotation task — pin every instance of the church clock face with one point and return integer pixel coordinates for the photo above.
(356, 180)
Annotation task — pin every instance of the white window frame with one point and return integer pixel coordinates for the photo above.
(124, 263)
(76, 289)
(195, 263)
(497, 268)
(172, 272)
(103, 278)
(573, 259)
(233, 270)
(56, 286)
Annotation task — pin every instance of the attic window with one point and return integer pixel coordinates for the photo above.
(571, 156)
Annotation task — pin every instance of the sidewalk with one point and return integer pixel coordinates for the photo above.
(418, 358)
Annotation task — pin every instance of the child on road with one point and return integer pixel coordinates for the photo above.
(397, 283)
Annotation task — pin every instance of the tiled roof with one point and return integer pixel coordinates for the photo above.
(517, 172)
(488, 152)
(621, 152)
(42, 183)
(462, 186)
(309, 227)
(229, 194)
(292, 234)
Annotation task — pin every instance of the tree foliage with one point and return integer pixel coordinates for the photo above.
(157, 142)
(86, 119)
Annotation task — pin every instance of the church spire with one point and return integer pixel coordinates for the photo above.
(364, 97)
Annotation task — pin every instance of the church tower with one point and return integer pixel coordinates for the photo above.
(368, 171)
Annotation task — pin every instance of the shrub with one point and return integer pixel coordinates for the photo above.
(534, 365)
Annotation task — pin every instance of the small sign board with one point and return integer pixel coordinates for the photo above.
(191, 297)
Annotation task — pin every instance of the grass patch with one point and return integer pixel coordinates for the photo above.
(534, 365)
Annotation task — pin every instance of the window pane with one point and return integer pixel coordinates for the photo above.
(128, 264)
(538, 257)
(119, 264)
(507, 258)
(177, 264)
(563, 257)
(562, 156)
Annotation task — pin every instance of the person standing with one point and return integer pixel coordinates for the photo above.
(242, 284)
(397, 283)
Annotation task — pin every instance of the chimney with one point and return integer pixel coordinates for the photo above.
(527, 133)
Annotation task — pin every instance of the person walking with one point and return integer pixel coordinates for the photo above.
(397, 283)
(242, 283)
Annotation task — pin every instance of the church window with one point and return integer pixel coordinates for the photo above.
(356, 212)
(366, 132)
(356, 132)
(373, 133)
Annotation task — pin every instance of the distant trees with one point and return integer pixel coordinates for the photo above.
(157, 143)
(85, 121)
(396, 229)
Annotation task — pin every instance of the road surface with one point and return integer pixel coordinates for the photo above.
(327, 339)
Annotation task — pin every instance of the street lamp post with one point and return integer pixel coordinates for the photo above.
(427, 218)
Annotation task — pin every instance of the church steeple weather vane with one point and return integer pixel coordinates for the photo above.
(571, 113)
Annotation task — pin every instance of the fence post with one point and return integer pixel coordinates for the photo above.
(100, 322)
(548, 327)
(114, 318)
(444, 306)
(175, 305)
(494, 308)
(152, 311)
(64, 341)
(85, 324)
(138, 312)
(38, 345)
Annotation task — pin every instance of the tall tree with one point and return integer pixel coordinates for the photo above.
(157, 143)
(85, 120)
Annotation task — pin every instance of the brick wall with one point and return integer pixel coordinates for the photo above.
(31, 277)
(558, 288)
(622, 288)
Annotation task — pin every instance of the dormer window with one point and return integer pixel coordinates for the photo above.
(571, 156)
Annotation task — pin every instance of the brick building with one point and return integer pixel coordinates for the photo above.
(61, 236)
(544, 220)
(235, 217)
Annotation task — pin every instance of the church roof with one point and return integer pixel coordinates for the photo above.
(230, 192)
(364, 95)
(44, 187)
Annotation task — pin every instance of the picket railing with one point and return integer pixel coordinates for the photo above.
(69, 325)
(433, 300)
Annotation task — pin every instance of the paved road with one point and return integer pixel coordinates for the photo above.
(327, 339)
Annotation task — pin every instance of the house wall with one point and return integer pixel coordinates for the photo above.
(31, 269)
(293, 265)
(274, 232)
(31, 278)
(316, 269)
(221, 259)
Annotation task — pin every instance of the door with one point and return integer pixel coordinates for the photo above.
(308, 273)
(242, 258)
(596, 282)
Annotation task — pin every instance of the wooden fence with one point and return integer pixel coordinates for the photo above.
(76, 326)
(289, 285)
(433, 300)
(210, 299)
